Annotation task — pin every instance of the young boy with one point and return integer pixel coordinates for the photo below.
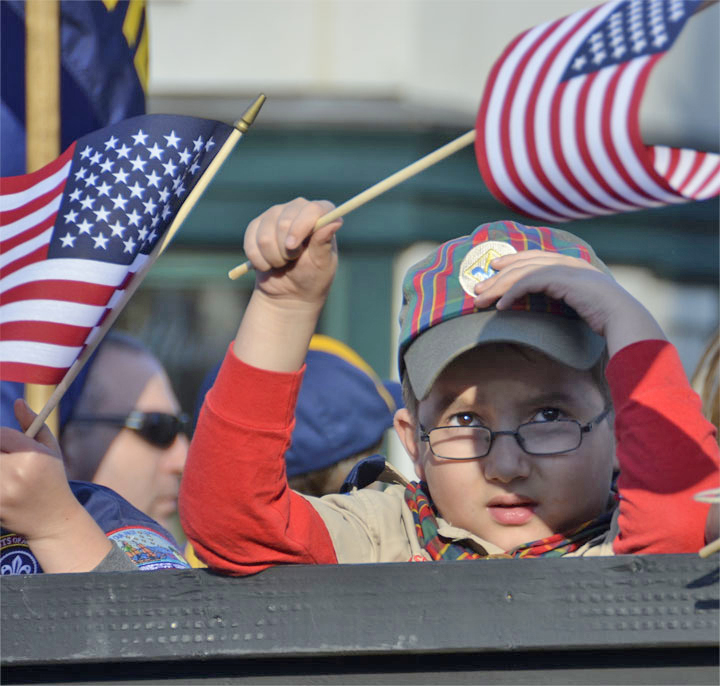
(508, 418)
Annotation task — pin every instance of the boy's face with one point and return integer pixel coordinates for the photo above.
(510, 497)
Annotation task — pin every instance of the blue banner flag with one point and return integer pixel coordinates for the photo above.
(103, 73)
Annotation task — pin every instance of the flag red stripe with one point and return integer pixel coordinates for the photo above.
(31, 373)
(697, 163)
(556, 142)
(481, 153)
(530, 137)
(674, 161)
(126, 281)
(36, 230)
(505, 135)
(55, 289)
(36, 256)
(581, 139)
(37, 203)
(44, 332)
(605, 129)
(711, 177)
(17, 184)
(640, 149)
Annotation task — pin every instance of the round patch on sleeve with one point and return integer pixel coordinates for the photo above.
(16, 557)
(148, 549)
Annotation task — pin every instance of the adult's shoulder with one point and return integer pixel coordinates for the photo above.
(149, 545)
(111, 511)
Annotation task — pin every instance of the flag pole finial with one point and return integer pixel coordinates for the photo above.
(245, 122)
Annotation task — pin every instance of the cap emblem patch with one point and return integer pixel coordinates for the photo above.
(476, 267)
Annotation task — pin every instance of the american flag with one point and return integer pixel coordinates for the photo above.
(557, 133)
(74, 233)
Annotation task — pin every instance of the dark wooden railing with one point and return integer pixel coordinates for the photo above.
(639, 620)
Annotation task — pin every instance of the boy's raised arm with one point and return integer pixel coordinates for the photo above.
(237, 452)
(294, 270)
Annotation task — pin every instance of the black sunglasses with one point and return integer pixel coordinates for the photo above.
(157, 428)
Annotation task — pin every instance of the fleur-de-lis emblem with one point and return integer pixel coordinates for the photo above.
(20, 563)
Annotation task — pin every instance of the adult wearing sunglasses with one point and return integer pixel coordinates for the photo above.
(125, 429)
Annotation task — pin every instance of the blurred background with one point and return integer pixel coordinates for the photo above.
(356, 90)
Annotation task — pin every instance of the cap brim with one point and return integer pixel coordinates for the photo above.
(569, 341)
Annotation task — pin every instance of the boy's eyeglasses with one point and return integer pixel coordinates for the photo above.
(158, 428)
(535, 438)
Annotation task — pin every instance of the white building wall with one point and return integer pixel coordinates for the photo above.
(427, 52)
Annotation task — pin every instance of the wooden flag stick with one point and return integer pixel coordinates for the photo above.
(380, 187)
(42, 121)
(710, 548)
(241, 126)
(712, 496)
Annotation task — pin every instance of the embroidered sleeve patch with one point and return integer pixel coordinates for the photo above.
(16, 557)
(148, 549)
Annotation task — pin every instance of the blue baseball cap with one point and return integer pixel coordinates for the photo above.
(343, 407)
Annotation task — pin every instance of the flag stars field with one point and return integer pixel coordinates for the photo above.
(114, 194)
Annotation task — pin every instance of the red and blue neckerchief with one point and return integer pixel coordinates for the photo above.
(438, 547)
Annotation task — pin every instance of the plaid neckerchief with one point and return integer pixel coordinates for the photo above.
(418, 500)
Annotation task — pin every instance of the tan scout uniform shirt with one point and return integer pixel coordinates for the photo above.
(378, 526)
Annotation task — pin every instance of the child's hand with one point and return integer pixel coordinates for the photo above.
(34, 493)
(290, 260)
(607, 308)
(36, 501)
(295, 268)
